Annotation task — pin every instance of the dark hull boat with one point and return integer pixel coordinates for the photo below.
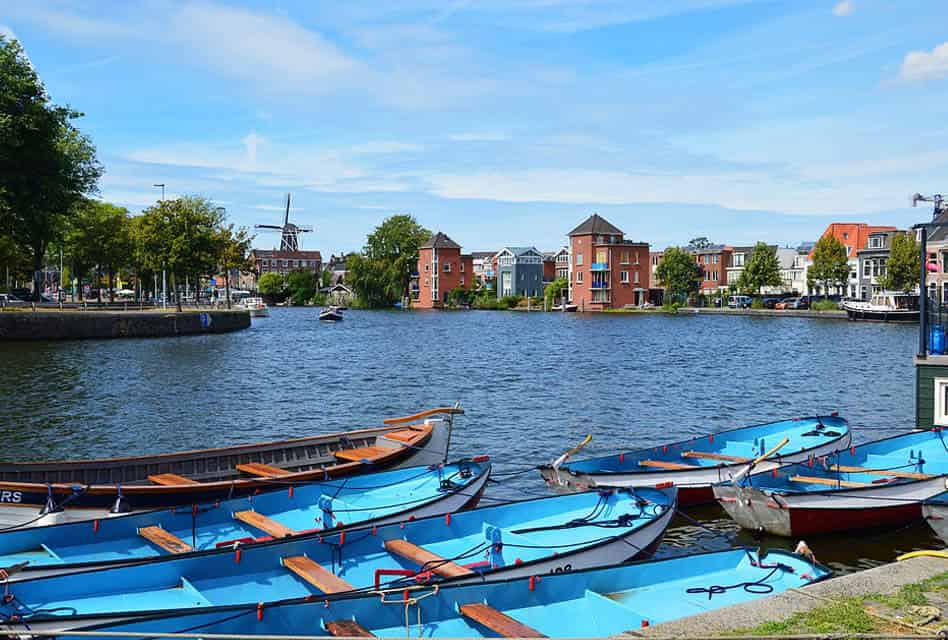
(589, 603)
(370, 499)
(872, 485)
(331, 314)
(697, 464)
(935, 512)
(40, 493)
(519, 539)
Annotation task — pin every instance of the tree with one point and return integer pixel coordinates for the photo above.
(233, 248)
(678, 273)
(46, 165)
(98, 235)
(761, 270)
(270, 284)
(555, 290)
(301, 286)
(699, 243)
(381, 274)
(904, 263)
(830, 266)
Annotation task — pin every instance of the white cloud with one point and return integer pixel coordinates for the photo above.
(386, 146)
(479, 136)
(7, 32)
(273, 207)
(926, 65)
(844, 8)
(251, 141)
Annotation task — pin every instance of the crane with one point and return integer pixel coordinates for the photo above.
(290, 233)
(939, 205)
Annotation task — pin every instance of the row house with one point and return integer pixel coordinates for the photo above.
(561, 264)
(937, 247)
(441, 268)
(713, 261)
(871, 263)
(284, 262)
(855, 237)
(788, 260)
(519, 272)
(607, 271)
(484, 266)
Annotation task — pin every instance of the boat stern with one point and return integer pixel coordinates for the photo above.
(754, 509)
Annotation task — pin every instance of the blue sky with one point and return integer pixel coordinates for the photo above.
(503, 122)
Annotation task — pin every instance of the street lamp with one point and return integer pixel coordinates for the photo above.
(162, 185)
(164, 286)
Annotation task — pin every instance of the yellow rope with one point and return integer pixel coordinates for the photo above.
(923, 554)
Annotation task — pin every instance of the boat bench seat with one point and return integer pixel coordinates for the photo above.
(348, 629)
(721, 457)
(265, 524)
(498, 621)
(404, 435)
(893, 473)
(361, 453)
(662, 464)
(262, 470)
(317, 575)
(170, 479)
(830, 482)
(164, 539)
(424, 558)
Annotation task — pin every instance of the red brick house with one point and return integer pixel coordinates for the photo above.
(441, 268)
(607, 271)
(714, 261)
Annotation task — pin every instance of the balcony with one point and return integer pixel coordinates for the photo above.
(599, 266)
(599, 286)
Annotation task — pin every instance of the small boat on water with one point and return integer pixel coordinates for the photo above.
(284, 510)
(587, 603)
(884, 307)
(256, 306)
(569, 307)
(695, 465)
(41, 493)
(876, 484)
(515, 540)
(331, 314)
(935, 512)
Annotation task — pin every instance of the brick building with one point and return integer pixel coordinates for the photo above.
(284, 262)
(607, 271)
(855, 237)
(441, 268)
(714, 261)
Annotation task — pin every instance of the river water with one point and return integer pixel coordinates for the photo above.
(532, 386)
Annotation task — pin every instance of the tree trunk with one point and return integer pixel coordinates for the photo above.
(227, 286)
(174, 292)
(39, 251)
(111, 285)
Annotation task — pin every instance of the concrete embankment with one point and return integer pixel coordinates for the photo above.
(80, 325)
(768, 313)
(750, 615)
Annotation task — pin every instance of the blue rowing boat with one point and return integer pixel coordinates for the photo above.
(935, 512)
(695, 465)
(588, 603)
(876, 484)
(519, 539)
(286, 509)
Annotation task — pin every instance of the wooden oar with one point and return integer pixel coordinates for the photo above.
(761, 458)
(563, 458)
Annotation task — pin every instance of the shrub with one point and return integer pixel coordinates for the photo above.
(824, 305)
(758, 303)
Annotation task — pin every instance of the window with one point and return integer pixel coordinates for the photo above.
(636, 257)
(941, 402)
(447, 267)
(579, 277)
(623, 276)
(625, 257)
(426, 282)
(875, 242)
(845, 235)
(867, 269)
(715, 259)
(579, 259)
(426, 268)
(654, 261)
(462, 269)
(462, 281)
(737, 260)
(635, 278)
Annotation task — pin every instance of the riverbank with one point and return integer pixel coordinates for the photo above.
(905, 597)
(52, 324)
(762, 313)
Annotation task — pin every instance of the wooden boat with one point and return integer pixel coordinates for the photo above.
(884, 307)
(877, 484)
(40, 493)
(695, 465)
(935, 512)
(598, 602)
(331, 314)
(367, 500)
(519, 539)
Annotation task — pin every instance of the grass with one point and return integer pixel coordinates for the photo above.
(849, 615)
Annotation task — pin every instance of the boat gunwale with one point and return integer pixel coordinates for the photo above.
(732, 465)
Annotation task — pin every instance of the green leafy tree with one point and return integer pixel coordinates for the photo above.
(678, 273)
(46, 165)
(271, 284)
(99, 235)
(233, 250)
(699, 243)
(381, 274)
(554, 291)
(761, 270)
(903, 265)
(459, 296)
(301, 286)
(830, 265)
(14, 261)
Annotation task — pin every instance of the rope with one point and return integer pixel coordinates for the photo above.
(757, 587)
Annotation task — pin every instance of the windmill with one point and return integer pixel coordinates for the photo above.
(290, 238)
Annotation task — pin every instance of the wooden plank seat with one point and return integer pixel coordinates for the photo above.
(405, 435)
(829, 482)
(498, 621)
(359, 454)
(265, 524)
(661, 464)
(262, 470)
(164, 539)
(714, 456)
(882, 472)
(316, 575)
(426, 559)
(170, 479)
(347, 629)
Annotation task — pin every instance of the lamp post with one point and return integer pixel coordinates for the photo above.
(162, 185)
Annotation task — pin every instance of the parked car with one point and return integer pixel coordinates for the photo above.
(793, 303)
(6, 300)
(739, 302)
(771, 302)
